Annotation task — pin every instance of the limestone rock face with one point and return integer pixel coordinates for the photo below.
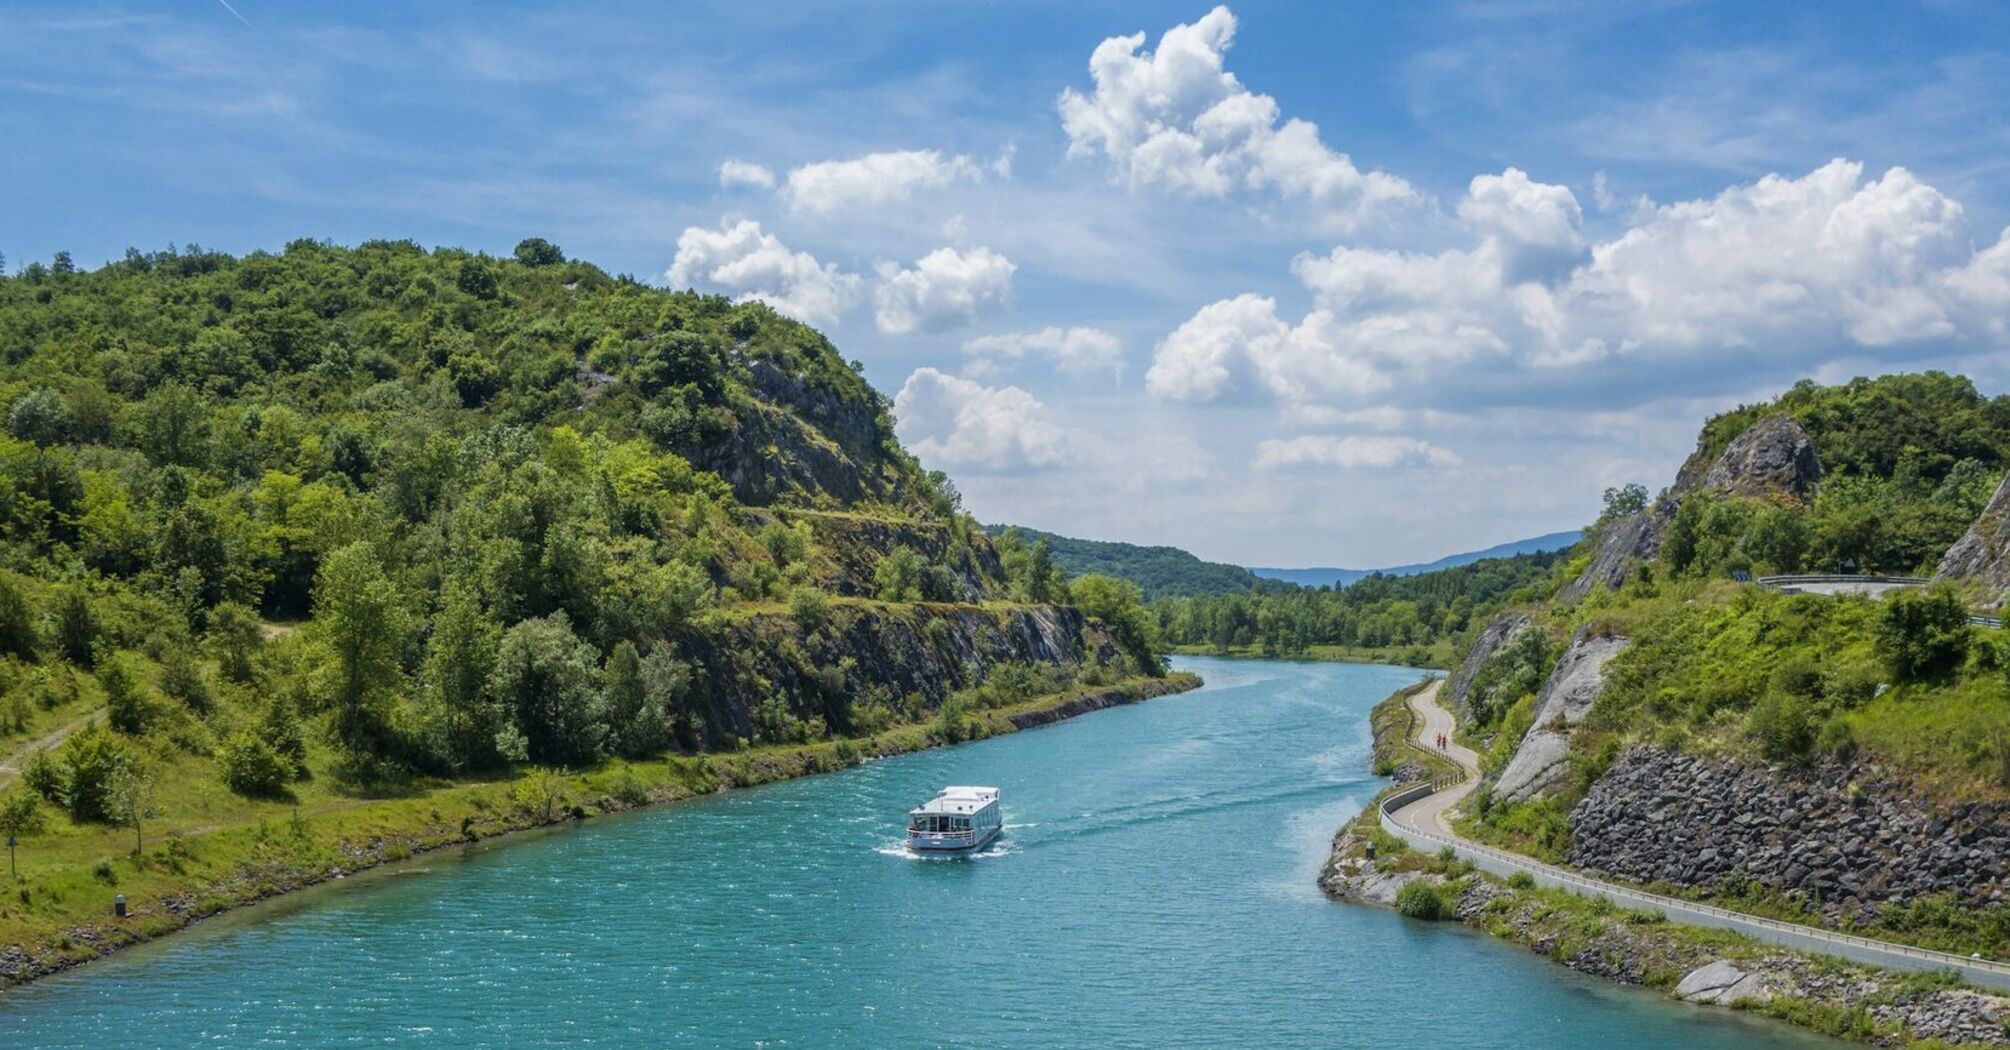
(1721, 983)
(1565, 698)
(1498, 632)
(1775, 456)
(1982, 555)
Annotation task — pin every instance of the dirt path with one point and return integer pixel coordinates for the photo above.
(12, 763)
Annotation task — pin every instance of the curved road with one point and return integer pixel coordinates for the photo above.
(12, 763)
(1419, 819)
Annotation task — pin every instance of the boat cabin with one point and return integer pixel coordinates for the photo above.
(960, 817)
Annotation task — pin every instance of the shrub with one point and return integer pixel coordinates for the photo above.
(810, 607)
(1922, 635)
(1521, 880)
(20, 814)
(1784, 725)
(127, 707)
(253, 768)
(1421, 899)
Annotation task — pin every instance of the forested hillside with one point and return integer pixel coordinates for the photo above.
(1160, 572)
(1419, 612)
(340, 517)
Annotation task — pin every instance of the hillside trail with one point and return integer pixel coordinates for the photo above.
(16, 759)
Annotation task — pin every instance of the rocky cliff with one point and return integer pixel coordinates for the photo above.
(1497, 633)
(1982, 555)
(1543, 756)
(877, 654)
(1839, 836)
(1773, 459)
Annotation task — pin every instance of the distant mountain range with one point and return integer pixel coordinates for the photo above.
(1323, 577)
(1169, 572)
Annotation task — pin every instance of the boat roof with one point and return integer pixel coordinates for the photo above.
(959, 799)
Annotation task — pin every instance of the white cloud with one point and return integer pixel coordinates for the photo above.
(734, 173)
(945, 289)
(1176, 119)
(1787, 273)
(875, 179)
(748, 263)
(1076, 351)
(1353, 452)
(954, 422)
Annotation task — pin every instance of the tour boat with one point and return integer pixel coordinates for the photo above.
(957, 820)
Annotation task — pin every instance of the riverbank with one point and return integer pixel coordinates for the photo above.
(1642, 948)
(61, 917)
(1441, 655)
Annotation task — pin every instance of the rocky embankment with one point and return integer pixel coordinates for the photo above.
(1836, 836)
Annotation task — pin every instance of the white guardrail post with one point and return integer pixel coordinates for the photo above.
(1986, 973)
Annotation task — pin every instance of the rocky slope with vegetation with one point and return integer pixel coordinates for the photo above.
(1837, 760)
(287, 536)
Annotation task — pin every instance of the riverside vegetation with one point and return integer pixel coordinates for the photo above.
(314, 558)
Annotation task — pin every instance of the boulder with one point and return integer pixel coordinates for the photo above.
(1982, 555)
(1721, 983)
(1573, 685)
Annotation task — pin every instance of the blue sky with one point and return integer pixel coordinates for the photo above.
(1283, 284)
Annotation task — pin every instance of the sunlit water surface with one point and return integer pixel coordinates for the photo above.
(1154, 888)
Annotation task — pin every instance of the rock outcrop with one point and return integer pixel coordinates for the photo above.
(1498, 632)
(1721, 983)
(1982, 555)
(1773, 459)
(1776, 456)
(874, 655)
(1566, 696)
(1838, 835)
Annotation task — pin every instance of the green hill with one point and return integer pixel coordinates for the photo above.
(1161, 572)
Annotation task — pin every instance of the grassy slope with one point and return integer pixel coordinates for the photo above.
(212, 850)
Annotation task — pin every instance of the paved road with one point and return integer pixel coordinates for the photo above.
(1421, 822)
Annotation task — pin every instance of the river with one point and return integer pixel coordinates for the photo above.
(1154, 889)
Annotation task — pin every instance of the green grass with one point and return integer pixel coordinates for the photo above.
(212, 850)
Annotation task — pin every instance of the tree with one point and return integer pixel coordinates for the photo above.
(1922, 634)
(897, 578)
(538, 793)
(549, 679)
(536, 251)
(667, 683)
(363, 619)
(18, 636)
(20, 816)
(131, 795)
(236, 637)
(77, 628)
(127, 706)
(62, 263)
(639, 708)
(1623, 502)
(90, 762)
(810, 607)
(478, 279)
(181, 679)
(1120, 606)
(39, 416)
(470, 727)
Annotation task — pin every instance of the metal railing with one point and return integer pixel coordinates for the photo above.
(1889, 954)
(1789, 581)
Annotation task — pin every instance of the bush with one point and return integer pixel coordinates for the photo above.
(1922, 635)
(253, 768)
(1521, 880)
(1785, 726)
(1421, 899)
(126, 704)
(810, 607)
(20, 814)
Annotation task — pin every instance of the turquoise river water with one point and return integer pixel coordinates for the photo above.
(1154, 888)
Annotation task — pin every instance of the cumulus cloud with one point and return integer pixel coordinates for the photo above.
(1241, 345)
(1076, 351)
(748, 263)
(953, 422)
(945, 289)
(1352, 452)
(1790, 272)
(875, 179)
(735, 173)
(1176, 119)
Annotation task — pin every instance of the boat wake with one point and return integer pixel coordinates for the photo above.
(996, 848)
